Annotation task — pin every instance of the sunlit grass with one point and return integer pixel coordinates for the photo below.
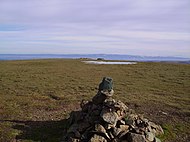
(41, 91)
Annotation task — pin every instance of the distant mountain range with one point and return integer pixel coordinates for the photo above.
(92, 56)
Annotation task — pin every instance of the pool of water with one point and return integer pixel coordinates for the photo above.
(109, 63)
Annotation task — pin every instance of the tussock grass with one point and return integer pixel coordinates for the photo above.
(38, 94)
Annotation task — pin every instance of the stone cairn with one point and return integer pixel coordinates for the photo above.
(106, 120)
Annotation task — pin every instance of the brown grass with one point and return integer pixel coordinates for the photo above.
(35, 95)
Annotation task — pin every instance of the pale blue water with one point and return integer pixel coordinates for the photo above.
(92, 56)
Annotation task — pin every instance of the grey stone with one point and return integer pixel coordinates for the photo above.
(149, 136)
(122, 134)
(100, 128)
(99, 98)
(136, 138)
(86, 106)
(82, 126)
(109, 116)
(109, 102)
(111, 136)
(75, 116)
(140, 130)
(124, 127)
(121, 122)
(129, 121)
(121, 106)
(116, 131)
(109, 126)
(108, 93)
(155, 128)
(121, 109)
(97, 138)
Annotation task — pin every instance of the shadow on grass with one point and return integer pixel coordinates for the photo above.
(43, 131)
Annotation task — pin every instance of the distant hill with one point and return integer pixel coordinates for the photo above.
(92, 56)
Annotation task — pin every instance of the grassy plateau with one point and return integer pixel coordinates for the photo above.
(36, 96)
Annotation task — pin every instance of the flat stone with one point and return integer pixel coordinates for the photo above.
(97, 138)
(124, 127)
(149, 136)
(109, 116)
(100, 128)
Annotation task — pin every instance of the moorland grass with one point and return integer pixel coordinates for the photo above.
(36, 96)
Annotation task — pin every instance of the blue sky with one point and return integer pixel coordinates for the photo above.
(135, 27)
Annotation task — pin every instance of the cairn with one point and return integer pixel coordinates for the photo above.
(106, 120)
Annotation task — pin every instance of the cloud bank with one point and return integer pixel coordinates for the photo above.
(140, 27)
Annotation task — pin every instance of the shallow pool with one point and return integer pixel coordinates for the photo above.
(109, 63)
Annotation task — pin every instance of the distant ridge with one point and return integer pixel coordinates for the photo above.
(93, 56)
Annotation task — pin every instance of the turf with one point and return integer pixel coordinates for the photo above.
(36, 96)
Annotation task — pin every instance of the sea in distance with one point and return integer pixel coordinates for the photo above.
(91, 56)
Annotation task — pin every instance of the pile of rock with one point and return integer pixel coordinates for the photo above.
(106, 120)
